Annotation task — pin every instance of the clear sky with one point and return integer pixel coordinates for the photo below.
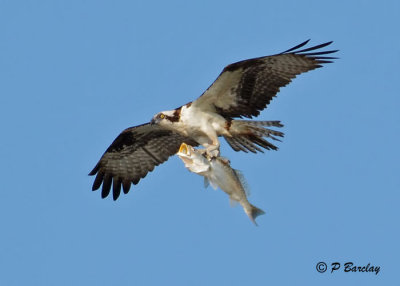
(73, 74)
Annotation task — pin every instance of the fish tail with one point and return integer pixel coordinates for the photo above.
(253, 212)
(249, 135)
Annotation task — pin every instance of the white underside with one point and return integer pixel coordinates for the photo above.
(203, 126)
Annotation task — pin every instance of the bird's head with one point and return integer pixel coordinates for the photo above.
(166, 118)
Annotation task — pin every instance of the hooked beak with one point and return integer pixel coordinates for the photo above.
(152, 121)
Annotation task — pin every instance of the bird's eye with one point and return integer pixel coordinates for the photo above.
(162, 116)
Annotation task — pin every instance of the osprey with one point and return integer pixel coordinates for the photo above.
(242, 89)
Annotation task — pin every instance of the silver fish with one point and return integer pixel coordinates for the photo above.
(218, 172)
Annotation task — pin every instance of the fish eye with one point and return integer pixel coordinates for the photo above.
(162, 116)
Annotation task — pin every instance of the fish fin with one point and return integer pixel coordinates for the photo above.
(210, 182)
(214, 185)
(253, 213)
(243, 181)
(206, 182)
(232, 202)
(225, 160)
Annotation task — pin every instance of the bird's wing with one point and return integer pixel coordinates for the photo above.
(134, 153)
(245, 88)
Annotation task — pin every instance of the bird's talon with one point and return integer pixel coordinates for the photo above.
(212, 153)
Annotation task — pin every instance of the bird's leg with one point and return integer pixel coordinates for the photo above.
(212, 150)
(211, 146)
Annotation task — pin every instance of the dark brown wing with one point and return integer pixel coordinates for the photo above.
(245, 88)
(134, 153)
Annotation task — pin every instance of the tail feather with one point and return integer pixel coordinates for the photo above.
(263, 143)
(235, 145)
(248, 144)
(259, 131)
(246, 135)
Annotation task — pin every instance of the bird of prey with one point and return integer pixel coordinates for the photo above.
(242, 89)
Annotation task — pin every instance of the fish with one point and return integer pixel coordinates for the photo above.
(218, 172)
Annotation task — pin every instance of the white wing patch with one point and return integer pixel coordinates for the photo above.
(222, 93)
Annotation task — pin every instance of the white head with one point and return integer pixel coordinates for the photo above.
(166, 118)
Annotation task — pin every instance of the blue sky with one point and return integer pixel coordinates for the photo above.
(76, 73)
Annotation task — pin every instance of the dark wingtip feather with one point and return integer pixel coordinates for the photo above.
(105, 191)
(320, 53)
(325, 62)
(116, 188)
(295, 50)
(97, 182)
(315, 47)
(296, 47)
(126, 185)
(95, 170)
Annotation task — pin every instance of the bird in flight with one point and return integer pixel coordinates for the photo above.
(242, 90)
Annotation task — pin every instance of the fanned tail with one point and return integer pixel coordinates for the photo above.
(254, 212)
(249, 135)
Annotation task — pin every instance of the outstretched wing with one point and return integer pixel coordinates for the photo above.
(134, 153)
(245, 88)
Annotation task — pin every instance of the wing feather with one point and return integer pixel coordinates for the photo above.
(245, 88)
(134, 153)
